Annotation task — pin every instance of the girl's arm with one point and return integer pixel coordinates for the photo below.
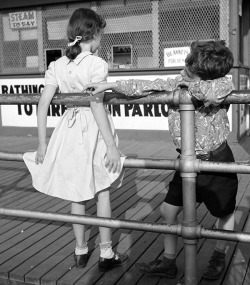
(95, 88)
(99, 74)
(113, 162)
(43, 105)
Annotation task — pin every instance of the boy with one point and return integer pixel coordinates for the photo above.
(205, 68)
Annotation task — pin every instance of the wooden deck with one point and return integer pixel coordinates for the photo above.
(41, 252)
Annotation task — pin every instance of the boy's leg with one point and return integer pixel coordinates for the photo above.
(225, 223)
(169, 216)
(216, 265)
(167, 265)
(218, 191)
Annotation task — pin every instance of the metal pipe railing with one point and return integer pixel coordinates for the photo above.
(88, 220)
(83, 99)
(167, 164)
(199, 231)
(112, 98)
(188, 165)
(187, 157)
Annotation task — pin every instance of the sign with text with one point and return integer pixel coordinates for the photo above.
(25, 115)
(24, 19)
(175, 56)
(131, 116)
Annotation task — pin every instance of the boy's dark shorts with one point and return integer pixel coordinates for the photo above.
(217, 190)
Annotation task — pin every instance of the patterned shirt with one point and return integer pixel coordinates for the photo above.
(211, 121)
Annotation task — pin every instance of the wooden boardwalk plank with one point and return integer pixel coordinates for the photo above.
(41, 252)
(240, 219)
(239, 263)
(132, 237)
(119, 213)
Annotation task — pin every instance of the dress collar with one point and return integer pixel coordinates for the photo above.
(80, 57)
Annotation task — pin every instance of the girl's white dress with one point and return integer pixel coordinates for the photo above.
(74, 165)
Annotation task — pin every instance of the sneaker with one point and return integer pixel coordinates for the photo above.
(165, 267)
(216, 266)
(105, 264)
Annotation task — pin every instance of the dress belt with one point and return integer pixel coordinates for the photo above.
(207, 156)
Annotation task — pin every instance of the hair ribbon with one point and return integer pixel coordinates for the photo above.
(77, 39)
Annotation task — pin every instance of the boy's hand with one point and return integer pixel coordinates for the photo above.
(113, 162)
(40, 154)
(183, 83)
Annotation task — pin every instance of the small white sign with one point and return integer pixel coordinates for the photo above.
(24, 19)
(175, 56)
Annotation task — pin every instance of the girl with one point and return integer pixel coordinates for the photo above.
(82, 160)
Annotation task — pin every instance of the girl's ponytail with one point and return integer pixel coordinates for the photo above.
(73, 49)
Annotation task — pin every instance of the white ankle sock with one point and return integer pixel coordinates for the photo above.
(106, 250)
(81, 250)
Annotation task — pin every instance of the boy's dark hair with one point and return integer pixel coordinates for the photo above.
(209, 60)
(85, 23)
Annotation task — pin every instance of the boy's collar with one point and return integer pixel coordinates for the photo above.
(188, 76)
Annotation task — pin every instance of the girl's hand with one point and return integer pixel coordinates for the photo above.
(113, 162)
(41, 151)
(94, 88)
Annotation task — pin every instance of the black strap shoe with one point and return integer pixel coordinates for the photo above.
(216, 266)
(81, 260)
(106, 264)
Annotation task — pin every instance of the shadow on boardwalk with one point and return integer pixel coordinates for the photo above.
(41, 252)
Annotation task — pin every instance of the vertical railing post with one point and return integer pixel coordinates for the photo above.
(187, 158)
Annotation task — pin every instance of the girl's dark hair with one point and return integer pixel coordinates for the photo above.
(85, 23)
(209, 60)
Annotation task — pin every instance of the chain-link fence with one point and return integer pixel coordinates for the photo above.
(136, 35)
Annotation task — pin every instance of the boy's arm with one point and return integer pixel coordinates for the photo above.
(144, 87)
(212, 92)
(134, 86)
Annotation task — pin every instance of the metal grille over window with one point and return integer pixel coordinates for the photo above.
(139, 34)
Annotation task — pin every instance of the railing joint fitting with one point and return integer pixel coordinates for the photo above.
(189, 230)
(187, 163)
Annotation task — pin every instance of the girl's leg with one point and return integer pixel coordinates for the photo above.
(81, 254)
(108, 259)
(79, 230)
(169, 216)
(104, 210)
